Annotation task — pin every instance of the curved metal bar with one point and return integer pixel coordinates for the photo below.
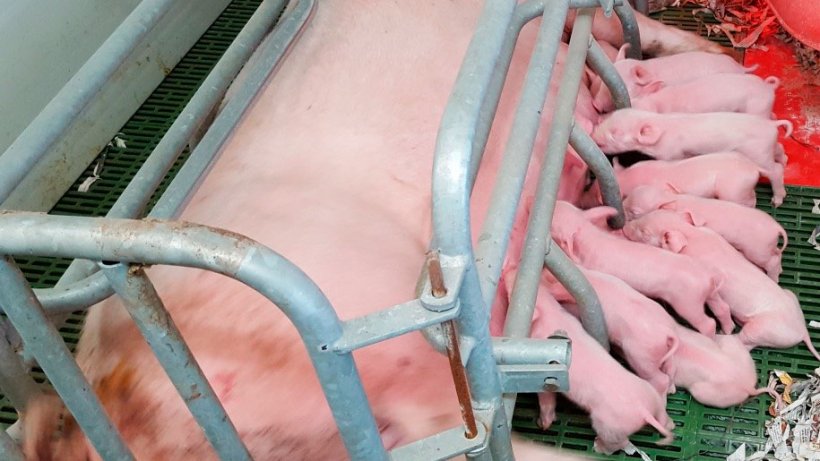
(44, 130)
(592, 314)
(183, 244)
(83, 293)
(600, 166)
(522, 300)
(451, 209)
(495, 234)
(602, 66)
(630, 30)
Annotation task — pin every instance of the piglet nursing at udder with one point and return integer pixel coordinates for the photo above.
(678, 136)
(753, 232)
(770, 315)
(619, 405)
(640, 327)
(669, 70)
(680, 281)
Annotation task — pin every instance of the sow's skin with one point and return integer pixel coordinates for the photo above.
(332, 169)
(758, 238)
(770, 316)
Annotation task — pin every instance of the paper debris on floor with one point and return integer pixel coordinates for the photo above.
(813, 238)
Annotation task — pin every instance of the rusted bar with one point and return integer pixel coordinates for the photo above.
(460, 380)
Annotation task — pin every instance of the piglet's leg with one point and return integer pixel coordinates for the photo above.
(546, 406)
(778, 186)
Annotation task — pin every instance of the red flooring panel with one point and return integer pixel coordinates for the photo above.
(797, 100)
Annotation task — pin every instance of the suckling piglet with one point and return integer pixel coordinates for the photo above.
(753, 232)
(679, 280)
(725, 176)
(678, 136)
(619, 403)
(770, 316)
(748, 94)
(640, 327)
(671, 70)
(717, 372)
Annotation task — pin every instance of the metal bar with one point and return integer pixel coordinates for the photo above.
(44, 342)
(600, 166)
(525, 288)
(15, 382)
(54, 119)
(87, 292)
(630, 30)
(522, 351)
(270, 53)
(158, 328)
(388, 323)
(495, 234)
(642, 6)
(451, 187)
(9, 451)
(592, 315)
(183, 244)
(601, 65)
(442, 446)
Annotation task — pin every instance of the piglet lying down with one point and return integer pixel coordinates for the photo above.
(770, 315)
(619, 405)
(725, 176)
(678, 136)
(753, 232)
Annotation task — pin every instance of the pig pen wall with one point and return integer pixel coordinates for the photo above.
(703, 433)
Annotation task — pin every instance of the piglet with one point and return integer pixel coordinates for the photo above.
(678, 136)
(725, 176)
(757, 238)
(619, 403)
(770, 315)
(717, 372)
(640, 327)
(680, 281)
(670, 70)
(748, 94)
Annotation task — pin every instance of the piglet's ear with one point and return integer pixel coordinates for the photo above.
(652, 87)
(622, 52)
(649, 134)
(641, 75)
(616, 165)
(693, 219)
(672, 187)
(673, 241)
(600, 214)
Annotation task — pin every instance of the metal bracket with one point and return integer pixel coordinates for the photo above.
(534, 378)
(452, 271)
(442, 446)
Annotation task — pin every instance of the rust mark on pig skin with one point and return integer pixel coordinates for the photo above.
(436, 276)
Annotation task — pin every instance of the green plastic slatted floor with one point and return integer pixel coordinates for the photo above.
(703, 433)
(141, 133)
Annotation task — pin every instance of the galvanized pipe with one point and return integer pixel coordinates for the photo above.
(9, 451)
(526, 351)
(57, 116)
(271, 52)
(174, 243)
(15, 382)
(601, 65)
(46, 345)
(600, 166)
(96, 288)
(157, 327)
(592, 314)
(495, 234)
(522, 302)
(451, 210)
(630, 30)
